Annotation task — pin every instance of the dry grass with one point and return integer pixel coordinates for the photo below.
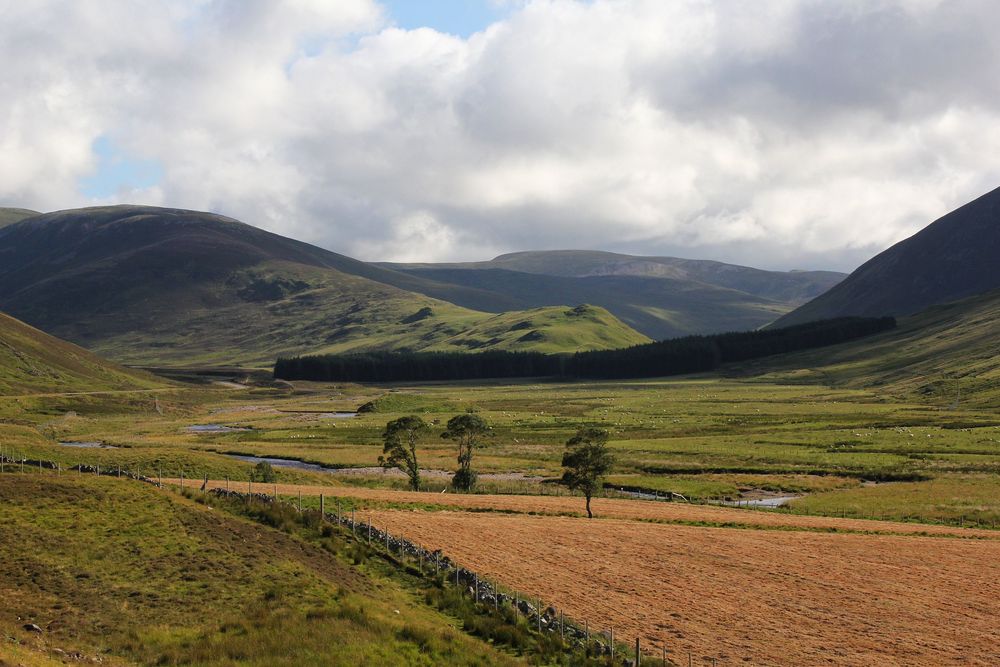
(641, 510)
(743, 596)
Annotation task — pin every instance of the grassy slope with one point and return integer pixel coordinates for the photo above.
(34, 362)
(552, 329)
(945, 354)
(662, 297)
(136, 575)
(163, 287)
(659, 307)
(8, 216)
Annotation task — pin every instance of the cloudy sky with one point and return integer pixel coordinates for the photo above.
(773, 133)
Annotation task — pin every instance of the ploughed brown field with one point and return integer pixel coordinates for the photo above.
(774, 591)
(743, 596)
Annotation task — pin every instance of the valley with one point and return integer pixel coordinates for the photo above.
(838, 503)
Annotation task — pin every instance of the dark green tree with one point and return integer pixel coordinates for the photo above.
(264, 472)
(587, 462)
(467, 430)
(400, 444)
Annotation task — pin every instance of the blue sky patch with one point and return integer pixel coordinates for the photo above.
(455, 17)
(117, 171)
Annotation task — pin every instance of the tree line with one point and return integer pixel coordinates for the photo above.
(691, 354)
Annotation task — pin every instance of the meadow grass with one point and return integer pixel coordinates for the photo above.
(132, 574)
(703, 437)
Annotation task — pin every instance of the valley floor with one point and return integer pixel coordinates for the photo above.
(888, 553)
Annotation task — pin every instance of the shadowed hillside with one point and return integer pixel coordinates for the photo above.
(952, 258)
(663, 297)
(156, 286)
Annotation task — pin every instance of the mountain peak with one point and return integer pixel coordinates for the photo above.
(956, 256)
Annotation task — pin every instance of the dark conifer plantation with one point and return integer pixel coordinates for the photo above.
(692, 354)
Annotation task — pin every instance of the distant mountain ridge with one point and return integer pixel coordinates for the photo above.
(663, 297)
(159, 286)
(954, 257)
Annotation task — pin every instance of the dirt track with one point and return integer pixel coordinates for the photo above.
(759, 597)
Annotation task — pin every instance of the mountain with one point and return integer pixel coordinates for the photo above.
(784, 286)
(34, 362)
(8, 216)
(945, 354)
(954, 257)
(662, 297)
(156, 286)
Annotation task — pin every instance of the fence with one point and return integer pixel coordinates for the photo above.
(487, 594)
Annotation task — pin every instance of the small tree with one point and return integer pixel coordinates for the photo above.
(400, 443)
(467, 430)
(263, 472)
(587, 461)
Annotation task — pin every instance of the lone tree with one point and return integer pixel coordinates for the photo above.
(263, 472)
(587, 461)
(467, 430)
(400, 438)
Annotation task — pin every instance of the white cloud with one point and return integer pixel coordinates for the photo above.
(773, 133)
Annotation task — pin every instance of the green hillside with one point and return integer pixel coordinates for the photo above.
(160, 287)
(8, 216)
(657, 307)
(954, 257)
(662, 297)
(115, 571)
(550, 329)
(946, 355)
(33, 362)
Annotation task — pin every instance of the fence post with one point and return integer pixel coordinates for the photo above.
(538, 613)
(322, 508)
(300, 502)
(612, 643)
(638, 655)
(369, 530)
(227, 483)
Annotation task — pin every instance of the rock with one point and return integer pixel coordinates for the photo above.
(31, 627)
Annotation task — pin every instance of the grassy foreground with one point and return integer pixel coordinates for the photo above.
(125, 573)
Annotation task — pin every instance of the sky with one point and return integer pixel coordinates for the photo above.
(780, 134)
